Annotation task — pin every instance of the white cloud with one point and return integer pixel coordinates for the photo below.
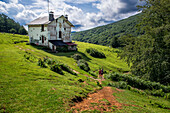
(25, 15)
(110, 7)
(81, 1)
(108, 10)
(13, 1)
(3, 7)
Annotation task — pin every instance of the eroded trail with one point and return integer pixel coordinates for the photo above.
(102, 100)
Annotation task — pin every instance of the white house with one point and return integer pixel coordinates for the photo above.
(53, 31)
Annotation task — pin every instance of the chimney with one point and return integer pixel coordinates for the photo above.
(66, 16)
(51, 16)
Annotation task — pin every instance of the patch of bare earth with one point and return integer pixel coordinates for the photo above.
(102, 100)
(76, 72)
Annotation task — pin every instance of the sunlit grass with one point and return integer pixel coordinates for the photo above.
(27, 87)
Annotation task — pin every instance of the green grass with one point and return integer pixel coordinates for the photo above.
(110, 63)
(136, 103)
(27, 87)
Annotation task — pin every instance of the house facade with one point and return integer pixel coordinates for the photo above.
(53, 31)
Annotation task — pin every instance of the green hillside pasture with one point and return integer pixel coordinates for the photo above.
(110, 63)
(26, 87)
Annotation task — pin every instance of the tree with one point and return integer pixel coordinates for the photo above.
(12, 30)
(22, 31)
(115, 43)
(149, 53)
(10, 26)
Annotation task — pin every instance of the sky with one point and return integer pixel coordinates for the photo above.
(84, 14)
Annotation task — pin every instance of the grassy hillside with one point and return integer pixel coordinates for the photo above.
(27, 87)
(103, 35)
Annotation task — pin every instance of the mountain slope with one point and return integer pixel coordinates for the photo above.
(27, 87)
(8, 25)
(103, 35)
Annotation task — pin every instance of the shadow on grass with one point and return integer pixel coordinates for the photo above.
(67, 54)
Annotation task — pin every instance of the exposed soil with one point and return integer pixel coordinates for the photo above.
(102, 100)
(76, 71)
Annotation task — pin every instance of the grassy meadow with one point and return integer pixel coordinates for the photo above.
(27, 87)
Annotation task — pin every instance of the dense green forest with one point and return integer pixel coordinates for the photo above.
(8, 25)
(149, 54)
(107, 34)
(145, 39)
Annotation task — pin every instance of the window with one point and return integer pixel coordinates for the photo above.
(42, 27)
(60, 34)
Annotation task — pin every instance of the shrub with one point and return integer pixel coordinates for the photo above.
(56, 68)
(30, 57)
(139, 83)
(157, 93)
(77, 56)
(62, 49)
(42, 63)
(82, 64)
(120, 84)
(27, 43)
(93, 74)
(95, 53)
(66, 68)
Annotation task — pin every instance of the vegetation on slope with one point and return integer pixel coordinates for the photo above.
(149, 53)
(105, 35)
(25, 86)
(8, 25)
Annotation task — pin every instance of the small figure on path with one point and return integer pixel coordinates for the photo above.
(100, 73)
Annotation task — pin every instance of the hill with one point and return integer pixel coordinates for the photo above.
(27, 86)
(8, 25)
(103, 35)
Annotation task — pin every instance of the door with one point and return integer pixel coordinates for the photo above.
(53, 48)
(42, 39)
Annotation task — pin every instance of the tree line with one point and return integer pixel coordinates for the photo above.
(109, 35)
(144, 40)
(8, 25)
(149, 54)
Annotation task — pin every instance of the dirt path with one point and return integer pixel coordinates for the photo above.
(102, 100)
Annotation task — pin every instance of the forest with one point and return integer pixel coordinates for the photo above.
(107, 34)
(144, 40)
(8, 25)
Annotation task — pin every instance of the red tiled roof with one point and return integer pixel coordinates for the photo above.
(71, 44)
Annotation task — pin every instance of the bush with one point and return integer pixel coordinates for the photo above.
(27, 43)
(157, 93)
(62, 49)
(120, 84)
(82, 64)
(56, 68)
(93, 74)
(42, 63)
(30, 57)
(77, 56)
(139, 83)
(66, 68)
(95, 53)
